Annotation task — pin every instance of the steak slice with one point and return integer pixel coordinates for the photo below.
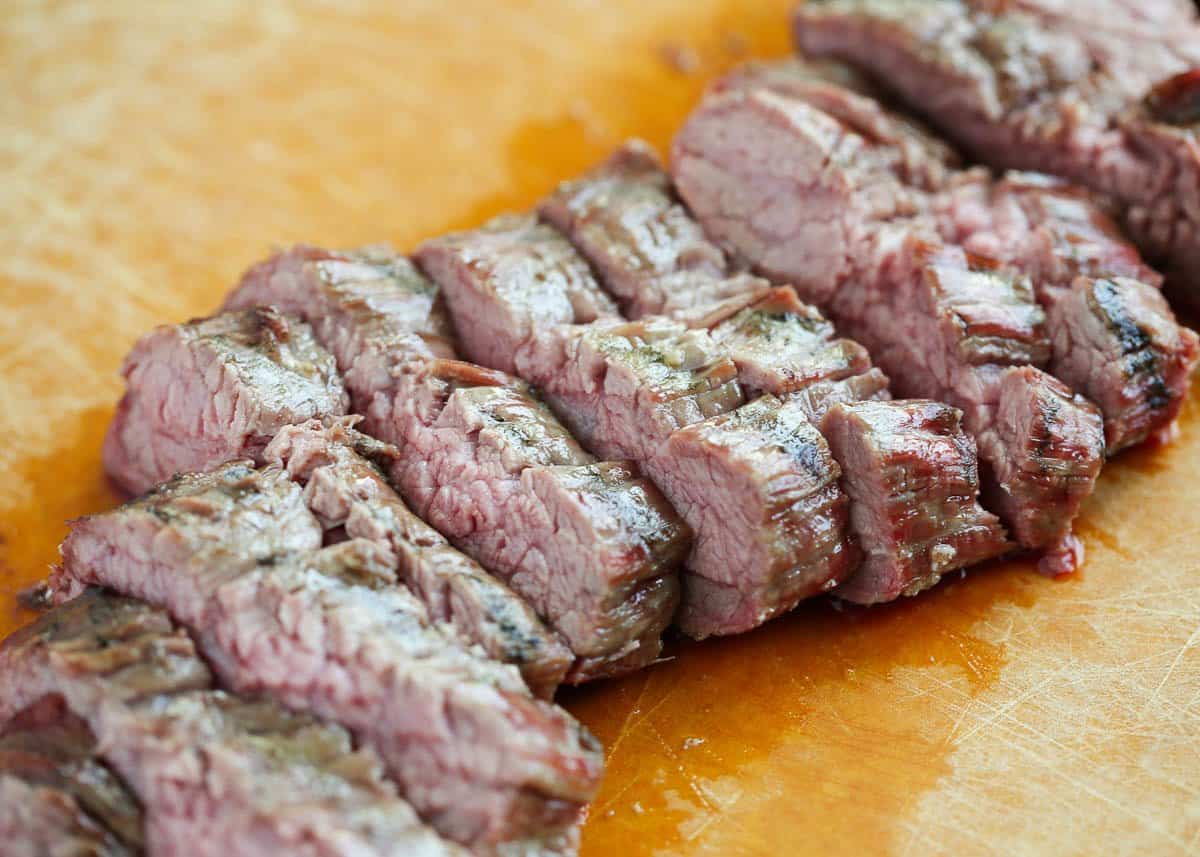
(216, 775)
(343, 472)
(1102, 93)
(760, 489)
(624, 218)
(328, 631)
(56, 796)
(804, 198)
(1117, 342)
(214, 390)
(624, 388)
(523, 276)
(912, 477)
(488, 465)
(781, 345)
(906, 147)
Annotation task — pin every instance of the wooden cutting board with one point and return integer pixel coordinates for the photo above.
(150, 151)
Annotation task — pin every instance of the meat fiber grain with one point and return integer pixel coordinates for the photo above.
(215, 390)
(329, 631)
(215, 774)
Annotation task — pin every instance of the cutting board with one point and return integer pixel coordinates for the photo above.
(150, 151)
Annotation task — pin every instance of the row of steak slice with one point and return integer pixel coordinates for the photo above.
(813, 182)
(115, 740)
(591, 545)
(1105, 93)
(290, 576)
(720, 405)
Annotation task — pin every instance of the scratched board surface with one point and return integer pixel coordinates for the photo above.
(149, 151)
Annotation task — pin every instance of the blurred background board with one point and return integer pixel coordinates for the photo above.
(150, 151)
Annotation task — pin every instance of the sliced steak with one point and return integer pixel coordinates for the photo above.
(624, 218)
(57, 797)
(809, 202)
(648, 390)
(329, 631)
(1113, 340)
(1103, 93)
(1117, 342)
(760, 489)
(525, 276)
(592, 546)
(343, 472)
(216, 775)
(913, 481)
(215, 390)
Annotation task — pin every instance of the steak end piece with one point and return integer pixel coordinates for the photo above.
(760, 490)
(1117, 342)
(913, 482)
(623, 216)
(214, 390)
(56, 796)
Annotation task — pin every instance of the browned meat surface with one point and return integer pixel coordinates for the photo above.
(56, 796)
(214, 390)
(329, 631)
(760, 489)
(1117, 342)
(1103, 93)
(810, 202)
(592, 546)
(624, 218)
(781, 345)
(624, 388)
(1132, 358)
(913, 482)
(215, 775)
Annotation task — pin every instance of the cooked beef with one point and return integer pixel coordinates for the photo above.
(523, 276)
(1117, 342)
(781, 345)
(1049, 229)
(216, 775)
(1114, 338)
(913, 482)
(343, 474)
(816, 399)
(329, 631)
(810, 202)
(624, 388)
(592, 546)
(753, 484)
(1102, 93)
(908, 148)
(760, 489)
(56, 796)
(651, 255)
(214, 390)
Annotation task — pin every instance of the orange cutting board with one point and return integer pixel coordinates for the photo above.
(150, 151)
